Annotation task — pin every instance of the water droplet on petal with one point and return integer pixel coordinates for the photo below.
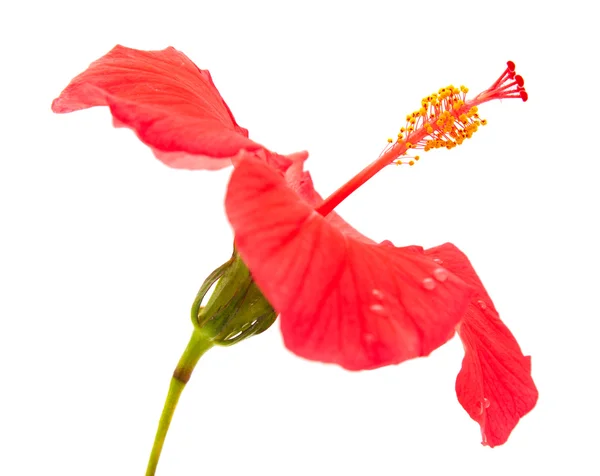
(484, 404)
(481, 304)
(377, 293)
(369, 338)
(441, 274)
(438, 261)
(428, 284)
(377, 308)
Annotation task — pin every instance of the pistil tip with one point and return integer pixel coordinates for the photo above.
(519, 79)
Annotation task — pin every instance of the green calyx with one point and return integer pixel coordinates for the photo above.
(236, 309)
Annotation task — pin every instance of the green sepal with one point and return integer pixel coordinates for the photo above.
(236, 309)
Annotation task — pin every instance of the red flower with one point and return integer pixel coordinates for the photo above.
(342, 297)
(171, 104)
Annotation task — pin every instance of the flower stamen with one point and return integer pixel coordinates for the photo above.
(444, 120)
(447, 118)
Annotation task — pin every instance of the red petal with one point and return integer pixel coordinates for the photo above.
(301, 182)
(341, 300)
(172, 106)
(494, 385)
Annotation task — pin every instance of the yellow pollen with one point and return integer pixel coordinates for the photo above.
(444, 120)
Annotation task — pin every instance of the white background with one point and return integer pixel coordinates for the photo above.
(103, 247)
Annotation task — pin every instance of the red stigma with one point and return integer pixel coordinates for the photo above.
(519, 80)
(508, 85)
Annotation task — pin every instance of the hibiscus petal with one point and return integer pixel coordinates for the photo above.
(494, 385)
(341, 300)
(171, 104)
(301, 182)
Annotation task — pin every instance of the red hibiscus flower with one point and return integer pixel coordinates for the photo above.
(341, 297)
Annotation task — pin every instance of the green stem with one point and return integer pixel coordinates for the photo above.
(196, 347)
